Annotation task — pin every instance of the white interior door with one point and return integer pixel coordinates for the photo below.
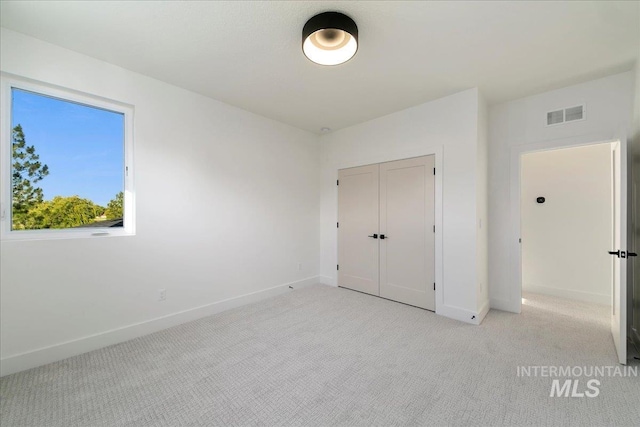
(407, 218)
(619, 291)
(358, 205)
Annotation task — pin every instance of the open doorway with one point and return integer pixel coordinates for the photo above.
(567, 223)
(570, 212)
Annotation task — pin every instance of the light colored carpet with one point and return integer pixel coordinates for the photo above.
(329, 356)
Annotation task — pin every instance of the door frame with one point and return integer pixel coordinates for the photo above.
(438, 152)
(515, 247)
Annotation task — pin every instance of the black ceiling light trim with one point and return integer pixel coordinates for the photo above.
(330, 38)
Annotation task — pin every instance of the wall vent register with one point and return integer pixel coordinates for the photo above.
(565, 115)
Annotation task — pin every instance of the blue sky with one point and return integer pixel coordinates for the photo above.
(83, 146)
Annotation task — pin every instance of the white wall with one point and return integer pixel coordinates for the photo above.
(565, 239)
(521, 123)
(227, 205)
(449, 124)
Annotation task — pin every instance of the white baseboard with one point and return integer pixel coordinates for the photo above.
(54, 353)
(503, 304)
(462, 314)
(483, 312)
(569, 294)
(326, 280)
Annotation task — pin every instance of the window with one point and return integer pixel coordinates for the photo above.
(66, 163)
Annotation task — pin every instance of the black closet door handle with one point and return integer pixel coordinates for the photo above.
(616, 253)
(375, 236)
(382, 236)
(632, 254)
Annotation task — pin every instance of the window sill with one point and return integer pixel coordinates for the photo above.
(96, 233)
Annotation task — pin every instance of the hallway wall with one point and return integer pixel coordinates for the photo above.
(566, 238)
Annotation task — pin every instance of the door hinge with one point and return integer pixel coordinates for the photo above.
(337, 225)
(434, 286)
(519, 240)
(337, 182)
(434, 171)
(434, 228)
(126, 171)
(338, 267)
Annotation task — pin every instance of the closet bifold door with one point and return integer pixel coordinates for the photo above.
(358, 249)
(407, 220)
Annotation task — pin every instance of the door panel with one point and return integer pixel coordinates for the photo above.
(407, 217)
(619, 291)
(358, 206)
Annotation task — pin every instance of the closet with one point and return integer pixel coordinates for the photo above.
(386, 230)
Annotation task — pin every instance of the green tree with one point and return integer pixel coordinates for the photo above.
(62, 212)
(115, 207)
(26, 171)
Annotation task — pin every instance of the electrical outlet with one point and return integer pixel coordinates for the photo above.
(162, 294)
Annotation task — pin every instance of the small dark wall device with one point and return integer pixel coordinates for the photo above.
(540, 199)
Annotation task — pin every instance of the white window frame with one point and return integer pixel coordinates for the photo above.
(9, 82)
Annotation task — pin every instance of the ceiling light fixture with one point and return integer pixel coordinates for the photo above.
(330, 38)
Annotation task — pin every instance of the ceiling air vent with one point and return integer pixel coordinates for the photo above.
(569, 114)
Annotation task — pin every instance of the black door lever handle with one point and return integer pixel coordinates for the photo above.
(382, 236)
(632, 254)
(616, 253)
(375, 236)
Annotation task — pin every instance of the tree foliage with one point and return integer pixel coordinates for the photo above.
(115, 207)
(26, 171)
(63, 212)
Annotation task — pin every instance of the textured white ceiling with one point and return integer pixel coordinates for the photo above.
(248, 54)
